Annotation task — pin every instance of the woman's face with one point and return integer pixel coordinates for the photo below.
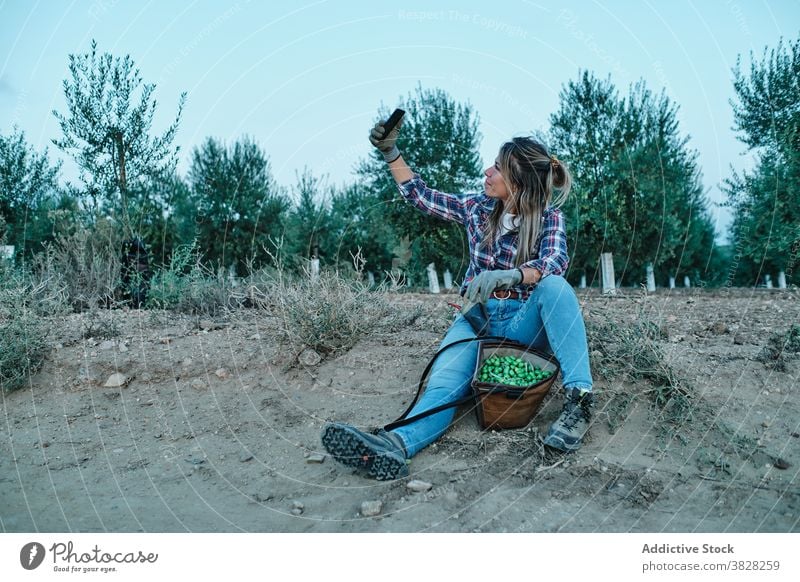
(496, 186)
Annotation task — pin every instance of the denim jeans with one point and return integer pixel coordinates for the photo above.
(549, 320)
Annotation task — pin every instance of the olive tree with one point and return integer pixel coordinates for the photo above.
(107, 129)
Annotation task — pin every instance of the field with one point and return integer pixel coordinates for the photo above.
(215, 427)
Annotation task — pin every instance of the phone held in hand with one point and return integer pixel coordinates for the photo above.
(478, 318)
(393, 120)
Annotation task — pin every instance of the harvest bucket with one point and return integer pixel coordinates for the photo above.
(502, 406)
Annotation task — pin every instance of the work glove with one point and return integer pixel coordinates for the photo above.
(481, 287)
(386, 144)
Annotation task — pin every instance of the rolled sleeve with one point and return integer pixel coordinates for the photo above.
(553, 258)
(450, 207)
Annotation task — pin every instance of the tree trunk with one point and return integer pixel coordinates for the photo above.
(123, 183)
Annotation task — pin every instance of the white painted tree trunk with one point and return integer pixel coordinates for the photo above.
(583, 281)
(672, 282)
(448, 279)
(768, 281)
(686, 282)
(433, 279)
(314, 269)
(607, 268)
(651, 278)
(781, 280)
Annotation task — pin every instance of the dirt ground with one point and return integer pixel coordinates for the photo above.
(216, 428)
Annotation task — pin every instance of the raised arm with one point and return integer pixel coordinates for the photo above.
(387, 145)
(400, 170)
(452, 207)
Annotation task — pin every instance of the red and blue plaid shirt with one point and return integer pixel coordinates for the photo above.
(472, 210)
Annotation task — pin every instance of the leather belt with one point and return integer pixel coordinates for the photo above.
(506, 294)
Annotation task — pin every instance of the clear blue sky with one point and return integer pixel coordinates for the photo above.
(305, 79)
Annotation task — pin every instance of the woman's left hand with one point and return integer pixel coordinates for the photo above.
(481, 287)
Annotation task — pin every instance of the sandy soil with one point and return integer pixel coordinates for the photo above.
(216, 429)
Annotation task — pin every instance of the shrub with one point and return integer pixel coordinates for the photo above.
(188, 286)
(328, 312)
(22, 332)
(86, 264)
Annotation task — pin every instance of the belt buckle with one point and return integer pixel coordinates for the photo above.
(508, 294)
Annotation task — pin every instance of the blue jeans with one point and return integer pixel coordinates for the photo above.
(549, 320)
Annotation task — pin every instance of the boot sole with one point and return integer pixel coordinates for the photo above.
(557, 442)
(347, 448)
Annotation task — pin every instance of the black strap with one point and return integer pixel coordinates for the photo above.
(402, 420)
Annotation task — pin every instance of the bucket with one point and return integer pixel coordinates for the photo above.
(501, 406)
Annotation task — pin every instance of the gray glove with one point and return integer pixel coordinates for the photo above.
(386, 144)
(484, 283)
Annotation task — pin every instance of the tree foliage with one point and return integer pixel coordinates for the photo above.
(107, 129)
(766, 200)
(439, 140)
(766, 109)
(237, 204)
(338, 224)
(637, 183)
(358, 225)
(308, 219)
(161, 211)
(637, 187)
(28, 193)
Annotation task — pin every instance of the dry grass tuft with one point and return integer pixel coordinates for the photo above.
(628, 352)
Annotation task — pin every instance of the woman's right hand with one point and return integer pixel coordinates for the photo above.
(386, 144)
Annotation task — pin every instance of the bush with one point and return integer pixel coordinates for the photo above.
(22, 332)
(328, 312)
(86, 264)
(187, 286)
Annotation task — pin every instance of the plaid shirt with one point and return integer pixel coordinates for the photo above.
(472, 210)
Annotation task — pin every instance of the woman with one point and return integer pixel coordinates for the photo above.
(518, 255)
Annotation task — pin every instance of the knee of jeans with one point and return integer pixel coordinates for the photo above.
(553, 284)
(448, 381)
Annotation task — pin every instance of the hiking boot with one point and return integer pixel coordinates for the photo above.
(383, 455)
(568, 430)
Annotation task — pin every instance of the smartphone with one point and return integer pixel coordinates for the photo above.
(478, 318)
(393, 120)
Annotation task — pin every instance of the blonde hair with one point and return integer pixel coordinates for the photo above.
(531, 175)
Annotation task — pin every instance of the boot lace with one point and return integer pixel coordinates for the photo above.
(576, 409)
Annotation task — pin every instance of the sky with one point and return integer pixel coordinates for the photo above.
(306, 80)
